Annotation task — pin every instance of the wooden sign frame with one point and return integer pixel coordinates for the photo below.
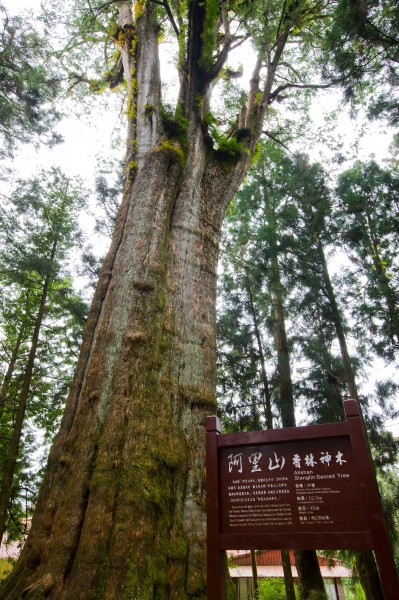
(275, 521)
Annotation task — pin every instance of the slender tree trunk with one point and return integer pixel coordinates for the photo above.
(22, 333)
(310, 579)
(288, 579)
(11, 460)
(368, 574)
(286, 401)
(285, 556)
(346, 360)
(265, 381)
(10, 370)
(365, 561)
(254, 568)
(383, 281)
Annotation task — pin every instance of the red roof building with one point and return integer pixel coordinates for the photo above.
(269, 564)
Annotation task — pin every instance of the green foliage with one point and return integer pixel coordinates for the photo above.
(39, 235)
(353, 590)
(209, 34)
(29, 85)
(174, 120)
(267, 226)
(361, 50)
(6, 566)
(176, 125)
(367, 218)
(229, 148)
(282, 211)
(108, 197)
(226, 147)
(316, 595)
(273, 589)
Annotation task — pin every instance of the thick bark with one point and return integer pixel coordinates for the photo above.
(121, 510)
(310, 581)
(15, 441)
(110, 516)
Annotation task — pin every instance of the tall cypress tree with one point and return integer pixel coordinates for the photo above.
(368, 197)
(38, 230)
(302, 226)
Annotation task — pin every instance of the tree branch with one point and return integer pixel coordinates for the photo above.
(240, 43)
(301, 86)
(218, 65)
(275, 139)
(171, 18)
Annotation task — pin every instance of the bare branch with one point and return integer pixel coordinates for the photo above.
(275, 139)
(240, 43)
(300, 86)
(282, 15)
(171, 18)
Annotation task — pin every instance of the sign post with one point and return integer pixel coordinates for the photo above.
(307, 487)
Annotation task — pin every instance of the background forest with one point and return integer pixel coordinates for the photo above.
(308, 305)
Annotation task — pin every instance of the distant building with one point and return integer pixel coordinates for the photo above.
(269, 564)
(10, 549)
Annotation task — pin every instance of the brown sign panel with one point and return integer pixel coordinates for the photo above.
(290, 487)
(299, 487)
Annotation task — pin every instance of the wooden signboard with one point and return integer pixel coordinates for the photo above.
(307, 487)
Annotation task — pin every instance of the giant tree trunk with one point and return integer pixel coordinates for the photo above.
(121, 512)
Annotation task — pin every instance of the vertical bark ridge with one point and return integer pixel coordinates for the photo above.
(31, 562)
(72, 494)
(131, 282)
